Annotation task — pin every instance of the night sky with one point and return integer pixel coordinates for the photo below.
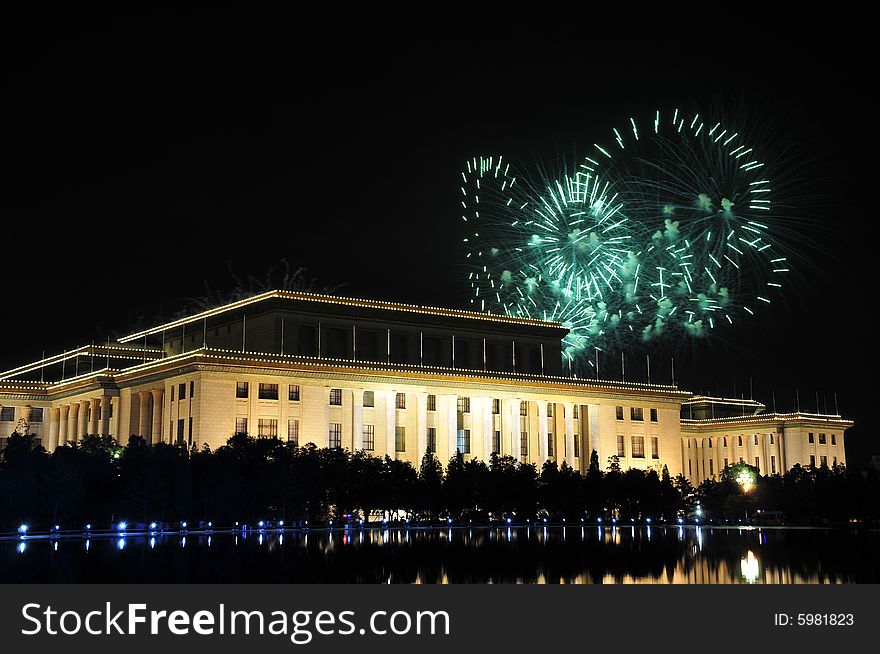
(144, 152)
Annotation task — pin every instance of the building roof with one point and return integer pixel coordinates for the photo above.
(340, 301)
(705, 424)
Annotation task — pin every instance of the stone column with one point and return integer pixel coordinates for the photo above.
(421, 427)
(83, 423)
(542, 432)
(451, 421)
(54, 416)
(485, 404)
(105, 415)
(569, 434)
(390, 422)
(156, 429)
(513, 411)
(144, 414)
(93, 416)
(63, 412)
(357, 419)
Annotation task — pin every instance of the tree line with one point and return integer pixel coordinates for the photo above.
(99, 481)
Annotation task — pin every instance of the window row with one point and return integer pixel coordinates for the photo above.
(181, 391)
(637, 450)
(811, 438)
(266, 391)
(636, 413)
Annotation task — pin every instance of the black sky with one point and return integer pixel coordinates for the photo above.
(143, 151)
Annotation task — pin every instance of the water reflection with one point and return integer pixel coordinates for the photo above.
(510, 554)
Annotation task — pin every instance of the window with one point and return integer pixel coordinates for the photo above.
(464, 441)
(821, 439)
(335, 436)
(812, 460)
(336, 397)
(496, 406)
(619, 411)
(37, 414)
(464, 405)
(496, 442)
(636, 413)
(268, 392)
(758, 462)
(772, 440)
(711, 467)
(181, 391)
(400, 438)
(756, 439)
(653, 415)
(550, 451)
(773, 465)
(432, 439)
(833, 438)
(293, 432)
(180, 428)
(620, 450)
(172, 392)
(638, 447)
(241, 425)
(739, 441)
(725, 462)
(550, 409)
(190, 432)
(577, 446)
(823, 461)
(110, 410)
(432, 403)
(293, 393)
(267, 428)
(577, 412)
(401, 400)
(835, 462)
(369, 437)
(241, 389)
(369, 398)
(523, 443)
(725, 441)
(810, 437)
(192, 389)
(655, 447)
(710, 443)
(523, 408)
(690, 472)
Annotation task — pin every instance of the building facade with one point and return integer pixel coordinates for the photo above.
(391, 379)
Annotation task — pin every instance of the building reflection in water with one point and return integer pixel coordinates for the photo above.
(498, 554)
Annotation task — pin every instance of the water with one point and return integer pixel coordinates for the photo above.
(589, 555)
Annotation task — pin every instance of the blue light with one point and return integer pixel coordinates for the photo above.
(508, 521)
(280, 523)
(449, 520)
(120, 544)
(183, 524)
(152, 525)
(614, 521)
(260, 523)
(545, 520)
(648, 520)
(598, 519)
(89, 526)
(211, 524)
(56, 527)
(23, 529)
(582, 519)
(121, 527)
(680, 521)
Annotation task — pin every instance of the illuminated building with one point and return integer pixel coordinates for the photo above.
(388, 378)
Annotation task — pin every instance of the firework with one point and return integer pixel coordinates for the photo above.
(704, 200)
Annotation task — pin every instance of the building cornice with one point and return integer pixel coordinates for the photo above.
(774, 420)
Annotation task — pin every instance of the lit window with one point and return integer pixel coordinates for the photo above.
(523, 408)
(369, 437)
(241, 389)
(401, 400)
(267, 428)
(620, 445)
(268, 392)
(576, 412)
(432, 439)
(496, 442)
(655, 447)
(619, 412)
(577, 446)
(432, 403)
(293, 432)
(336, 397)
(335, 435)
(550, 451)
(400, 438)
(496, 406)
(464, 405)
(523, 444)
(293, 393)
(636, 413)
(369, 398)
(241, 425)
(638, 447)
(550, 407)
(464, 441)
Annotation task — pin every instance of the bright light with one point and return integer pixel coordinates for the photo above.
(23, 529)
(122, 526)
(211, 524)
(648, 520)
(89, 526)
(749, 567)
(746, 479)
(680, 521)
(152, 525)
(260, 523)
(508, 521)
(183, 524)
(280, 523)
(598, 519)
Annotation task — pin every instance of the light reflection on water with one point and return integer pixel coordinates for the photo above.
(508, 554)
